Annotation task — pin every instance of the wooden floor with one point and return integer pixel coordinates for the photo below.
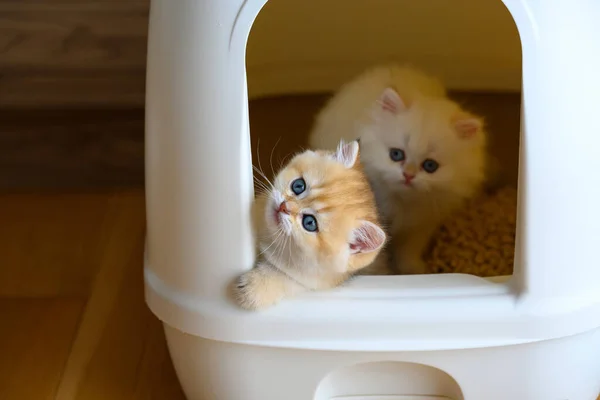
(74, 322)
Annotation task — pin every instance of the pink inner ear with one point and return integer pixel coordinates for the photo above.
(467, 127)
(390, 101)
(368, 237)
(347, 153)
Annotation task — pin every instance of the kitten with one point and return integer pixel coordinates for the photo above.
(423, 154)
(315, 227)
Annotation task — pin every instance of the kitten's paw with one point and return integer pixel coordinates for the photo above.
(256, 290)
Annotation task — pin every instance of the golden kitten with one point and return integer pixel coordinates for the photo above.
(424, 155)
(315, 227)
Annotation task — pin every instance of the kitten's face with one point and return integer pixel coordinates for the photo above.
(318, 207)
(429, 146)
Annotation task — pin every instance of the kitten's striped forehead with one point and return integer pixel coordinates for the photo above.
(331, 186)
(340, 199)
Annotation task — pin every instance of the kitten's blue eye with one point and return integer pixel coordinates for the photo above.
(309, 222)
(298, 186)
(397, 155)
(430, 165)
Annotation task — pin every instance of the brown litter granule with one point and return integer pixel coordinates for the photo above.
(479, 239)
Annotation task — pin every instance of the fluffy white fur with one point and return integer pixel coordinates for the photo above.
(399, 107)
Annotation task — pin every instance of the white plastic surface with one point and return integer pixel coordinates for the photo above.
(390, 398)
(562, 369)
(199, 189)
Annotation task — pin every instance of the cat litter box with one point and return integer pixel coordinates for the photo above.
(532, 336)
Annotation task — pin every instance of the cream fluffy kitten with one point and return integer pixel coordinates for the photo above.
(316, 226)
(423, 154)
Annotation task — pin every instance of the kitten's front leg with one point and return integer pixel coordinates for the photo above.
(264, 286)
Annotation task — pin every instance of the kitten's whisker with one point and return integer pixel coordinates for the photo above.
(271, 156)
(289, 250)
(281, 249)
(283, 160)
(256, 179)
(261, 190)
(259, 170)
(274, 236)
(261, 184)
(276, 252)
(279, 231)
(262, 175)
(258, 155)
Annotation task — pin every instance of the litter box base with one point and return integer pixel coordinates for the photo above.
(199, 194)
(558, 369)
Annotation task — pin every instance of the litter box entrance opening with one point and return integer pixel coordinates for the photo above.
(388, 381)
(299, 53)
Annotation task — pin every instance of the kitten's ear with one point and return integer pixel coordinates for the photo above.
(366, 238)
(347, 153)
(390, 101)
(467, 125)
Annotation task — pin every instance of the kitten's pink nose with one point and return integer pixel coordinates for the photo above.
(408, 177)
(283, 208)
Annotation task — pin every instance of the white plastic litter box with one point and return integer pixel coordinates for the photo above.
(532, 336)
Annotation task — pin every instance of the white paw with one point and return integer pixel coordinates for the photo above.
(244, 292)
(255, 290)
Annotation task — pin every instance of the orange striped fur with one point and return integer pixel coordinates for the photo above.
(292, 259)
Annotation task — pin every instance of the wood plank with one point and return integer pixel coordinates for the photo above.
(50, 244)
(120, 352)
(121, 243)
(35, 339)
(71, 88)
(19, 4)
(88, 35)
(71, 149)
(130, 360)
(70, 52)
